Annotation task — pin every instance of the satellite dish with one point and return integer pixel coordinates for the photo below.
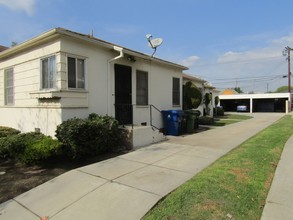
(154, 43)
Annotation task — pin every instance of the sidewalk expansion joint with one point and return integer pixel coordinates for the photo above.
(26, 208)
(132, 187)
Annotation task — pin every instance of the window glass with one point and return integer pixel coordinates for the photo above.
(76, 73)
(176, 91)
(80, 72)
(141, 88)
(71, 73)
(9, 86)
(48, 72)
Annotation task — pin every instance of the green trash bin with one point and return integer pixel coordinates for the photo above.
(191, 120)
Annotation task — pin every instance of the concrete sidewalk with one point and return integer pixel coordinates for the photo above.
(126, 187)
(279, 203)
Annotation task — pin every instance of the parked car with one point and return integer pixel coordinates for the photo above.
(241, 108)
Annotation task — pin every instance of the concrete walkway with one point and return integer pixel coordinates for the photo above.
(279, 203)
(128, 186)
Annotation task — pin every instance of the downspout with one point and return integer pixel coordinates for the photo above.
(120, 50)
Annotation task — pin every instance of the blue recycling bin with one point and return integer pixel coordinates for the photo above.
(173, 121)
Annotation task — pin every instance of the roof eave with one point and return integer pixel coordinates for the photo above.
(189, 77)
(56, 32)
(109, 45)
(29, 43)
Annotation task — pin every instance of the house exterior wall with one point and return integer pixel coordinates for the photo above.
(27, 113)
(159, 90)
(45, 109)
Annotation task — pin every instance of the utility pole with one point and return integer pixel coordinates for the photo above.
(286, 52)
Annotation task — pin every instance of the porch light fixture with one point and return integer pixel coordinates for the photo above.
(131, 59)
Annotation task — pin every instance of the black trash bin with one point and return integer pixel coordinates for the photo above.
(173, 121)
(191, 120)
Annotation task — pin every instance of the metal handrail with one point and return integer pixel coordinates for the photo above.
(121, 122)
(151, 115)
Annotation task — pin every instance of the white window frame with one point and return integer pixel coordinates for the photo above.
(9, 89)
(51, 71)
(77, 79)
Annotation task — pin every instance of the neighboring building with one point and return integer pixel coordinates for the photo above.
(204, 87)
(62, 74)
(2, 48)
(268, 102)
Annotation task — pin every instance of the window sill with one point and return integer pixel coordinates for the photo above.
(54, 94)
(142, 106)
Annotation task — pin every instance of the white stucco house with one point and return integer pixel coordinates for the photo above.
(205, 87)
(62, 74)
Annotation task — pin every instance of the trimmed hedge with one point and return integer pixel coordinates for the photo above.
(206, 120)
(92, 136)
(219, 111)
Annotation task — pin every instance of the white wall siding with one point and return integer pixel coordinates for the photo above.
(28, 119)
(27, 73)
(96, 61)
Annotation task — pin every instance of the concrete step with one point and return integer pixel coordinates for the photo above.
(144, 136)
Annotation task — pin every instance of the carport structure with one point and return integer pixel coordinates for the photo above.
(268, 102)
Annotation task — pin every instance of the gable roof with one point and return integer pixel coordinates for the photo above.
(193, 78)
(57, 32)
(206, 84)
(229, 92)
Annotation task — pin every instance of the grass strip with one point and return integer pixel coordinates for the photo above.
(238, 116)
(235, 186)
(230, 119)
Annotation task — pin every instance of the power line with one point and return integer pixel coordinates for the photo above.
(255, 60)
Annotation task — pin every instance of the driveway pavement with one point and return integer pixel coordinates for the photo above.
(128, 186)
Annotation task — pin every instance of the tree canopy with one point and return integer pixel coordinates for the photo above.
(238, 89)
(192, 96)
(283, 89)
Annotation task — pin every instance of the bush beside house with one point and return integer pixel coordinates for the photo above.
(77, 138)
(29, 148)
(92, 136)
(206, 120)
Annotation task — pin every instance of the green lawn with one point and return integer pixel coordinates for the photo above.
(230, 119)
(235, 186)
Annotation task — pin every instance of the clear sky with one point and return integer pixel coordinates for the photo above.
(227, 42)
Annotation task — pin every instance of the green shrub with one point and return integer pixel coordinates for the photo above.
(7, 131)
(219, 111)
(12, 146)
(83, 137)
(40, 150)
(205, 120)
(29, 147)
(4, 153)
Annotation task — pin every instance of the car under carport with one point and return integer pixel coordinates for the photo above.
(269, 102)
